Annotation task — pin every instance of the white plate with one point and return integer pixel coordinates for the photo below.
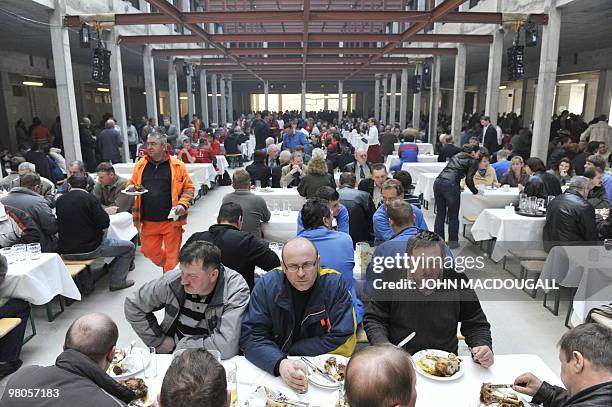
(417, 356)
(135, 193)
(521, 397)
(133, 364)
(317, 378)
(257, 398)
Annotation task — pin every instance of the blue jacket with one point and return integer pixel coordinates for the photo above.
(501, 167)
(267, 325)
(291, 142)
(336, 252)
(382, 229)
(408, 152)
(342, 221)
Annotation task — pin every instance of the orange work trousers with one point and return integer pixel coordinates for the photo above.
(161, 242)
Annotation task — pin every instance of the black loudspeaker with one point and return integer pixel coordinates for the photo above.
(195, 83)
(187, 69)
(516, 65)
(85, 36)
(531, 34)
(100, 65)
(426, 78)
(415, 84)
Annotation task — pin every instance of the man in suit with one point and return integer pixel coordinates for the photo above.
(489, 135)
(361, 167)
(295, 171)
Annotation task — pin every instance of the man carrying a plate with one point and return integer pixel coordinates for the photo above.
(161, 213)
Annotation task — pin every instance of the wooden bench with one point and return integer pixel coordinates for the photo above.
(531, 266)
(7, 325)
(524, 254)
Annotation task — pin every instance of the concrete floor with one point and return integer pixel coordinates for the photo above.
(522, 326)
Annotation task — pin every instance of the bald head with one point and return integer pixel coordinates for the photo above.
(300, 263)
(94, 335)
(361, 156)
(380, 376)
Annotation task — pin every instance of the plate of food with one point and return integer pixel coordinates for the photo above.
(126, 363)
(438, 364)
(326, 371)
(141, 389)
(500, 395)
(270, 395)
(135, 190)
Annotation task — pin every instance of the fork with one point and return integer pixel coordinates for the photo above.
(278, 397)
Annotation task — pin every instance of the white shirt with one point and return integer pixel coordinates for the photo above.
(281, 123)
(372, 136)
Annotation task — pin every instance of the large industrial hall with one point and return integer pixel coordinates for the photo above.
(305, 203)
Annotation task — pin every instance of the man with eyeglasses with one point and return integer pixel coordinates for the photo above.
(391, 191)
(161, 213)
(301, 310)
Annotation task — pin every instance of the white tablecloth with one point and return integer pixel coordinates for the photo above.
(249, 147)
(39, 281)
(510, 229)
(424, 148)
(474, 204)
(280, 228)
(421, 158)
(121, 227)
(355, 140)
(222, 164)
(200, 173)
(424, 185)
(462, 392)
(281, 195)
(588, 269)
(417, 168)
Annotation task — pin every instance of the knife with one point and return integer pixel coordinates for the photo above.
(319, 370)
(406, 340)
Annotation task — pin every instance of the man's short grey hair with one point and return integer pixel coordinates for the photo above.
(77, 163)
(318, 152)
(110, 123)
(161, 137)
(269, 141)
(284, 157)
(593, 341)
(579, 182)
(26, 166)
(503, 154)
(359, 150)
(272, 147)
(295, 154)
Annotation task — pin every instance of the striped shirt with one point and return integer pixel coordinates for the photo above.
(192, 321)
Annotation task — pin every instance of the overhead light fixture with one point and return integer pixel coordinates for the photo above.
(183, 98)
(502, 87)
(103, 89)
(32, 83)
(144, 93)
(565, 81)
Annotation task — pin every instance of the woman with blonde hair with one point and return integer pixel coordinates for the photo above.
(516, 173)
(316, 177)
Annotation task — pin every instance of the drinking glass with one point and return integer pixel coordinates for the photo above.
(150, 368)
(286, 208)
(283, 183)
(533, 204)
(20, 252)
(34, 251)
(276, 208)
(7, 252)
(257, 185)
(232, 382)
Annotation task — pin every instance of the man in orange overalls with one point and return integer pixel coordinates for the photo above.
(170, 192)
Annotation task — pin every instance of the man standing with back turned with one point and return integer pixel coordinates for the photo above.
(162, 211)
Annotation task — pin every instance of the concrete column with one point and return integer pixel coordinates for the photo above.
(190, 97)
(230, 101)
(383, 108)
(303, 100)
(494, 75)
(604, 92)
(458, 93)
(376, 97)
(403, 99)
(204, 98)
(149, 79)
(547, 78)
(434, 100)
(266, 92)
(64, 82)
(223, 101)
(392, 99)
(416, 100)
(215, 100)
(173, 94)
(340, 101)
(117, 92)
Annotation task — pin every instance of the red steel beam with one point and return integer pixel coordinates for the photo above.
(436, 14)
(305, 37)
(175, 13)
(316, 16)
(299, 37)
(298, 51)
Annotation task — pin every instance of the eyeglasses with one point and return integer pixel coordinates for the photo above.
(294, 268)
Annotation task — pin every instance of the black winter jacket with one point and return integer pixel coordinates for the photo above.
(361, 209)
(461, 165)
(542, 184)
(240, 251)
(599, 395)
(570, 220)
